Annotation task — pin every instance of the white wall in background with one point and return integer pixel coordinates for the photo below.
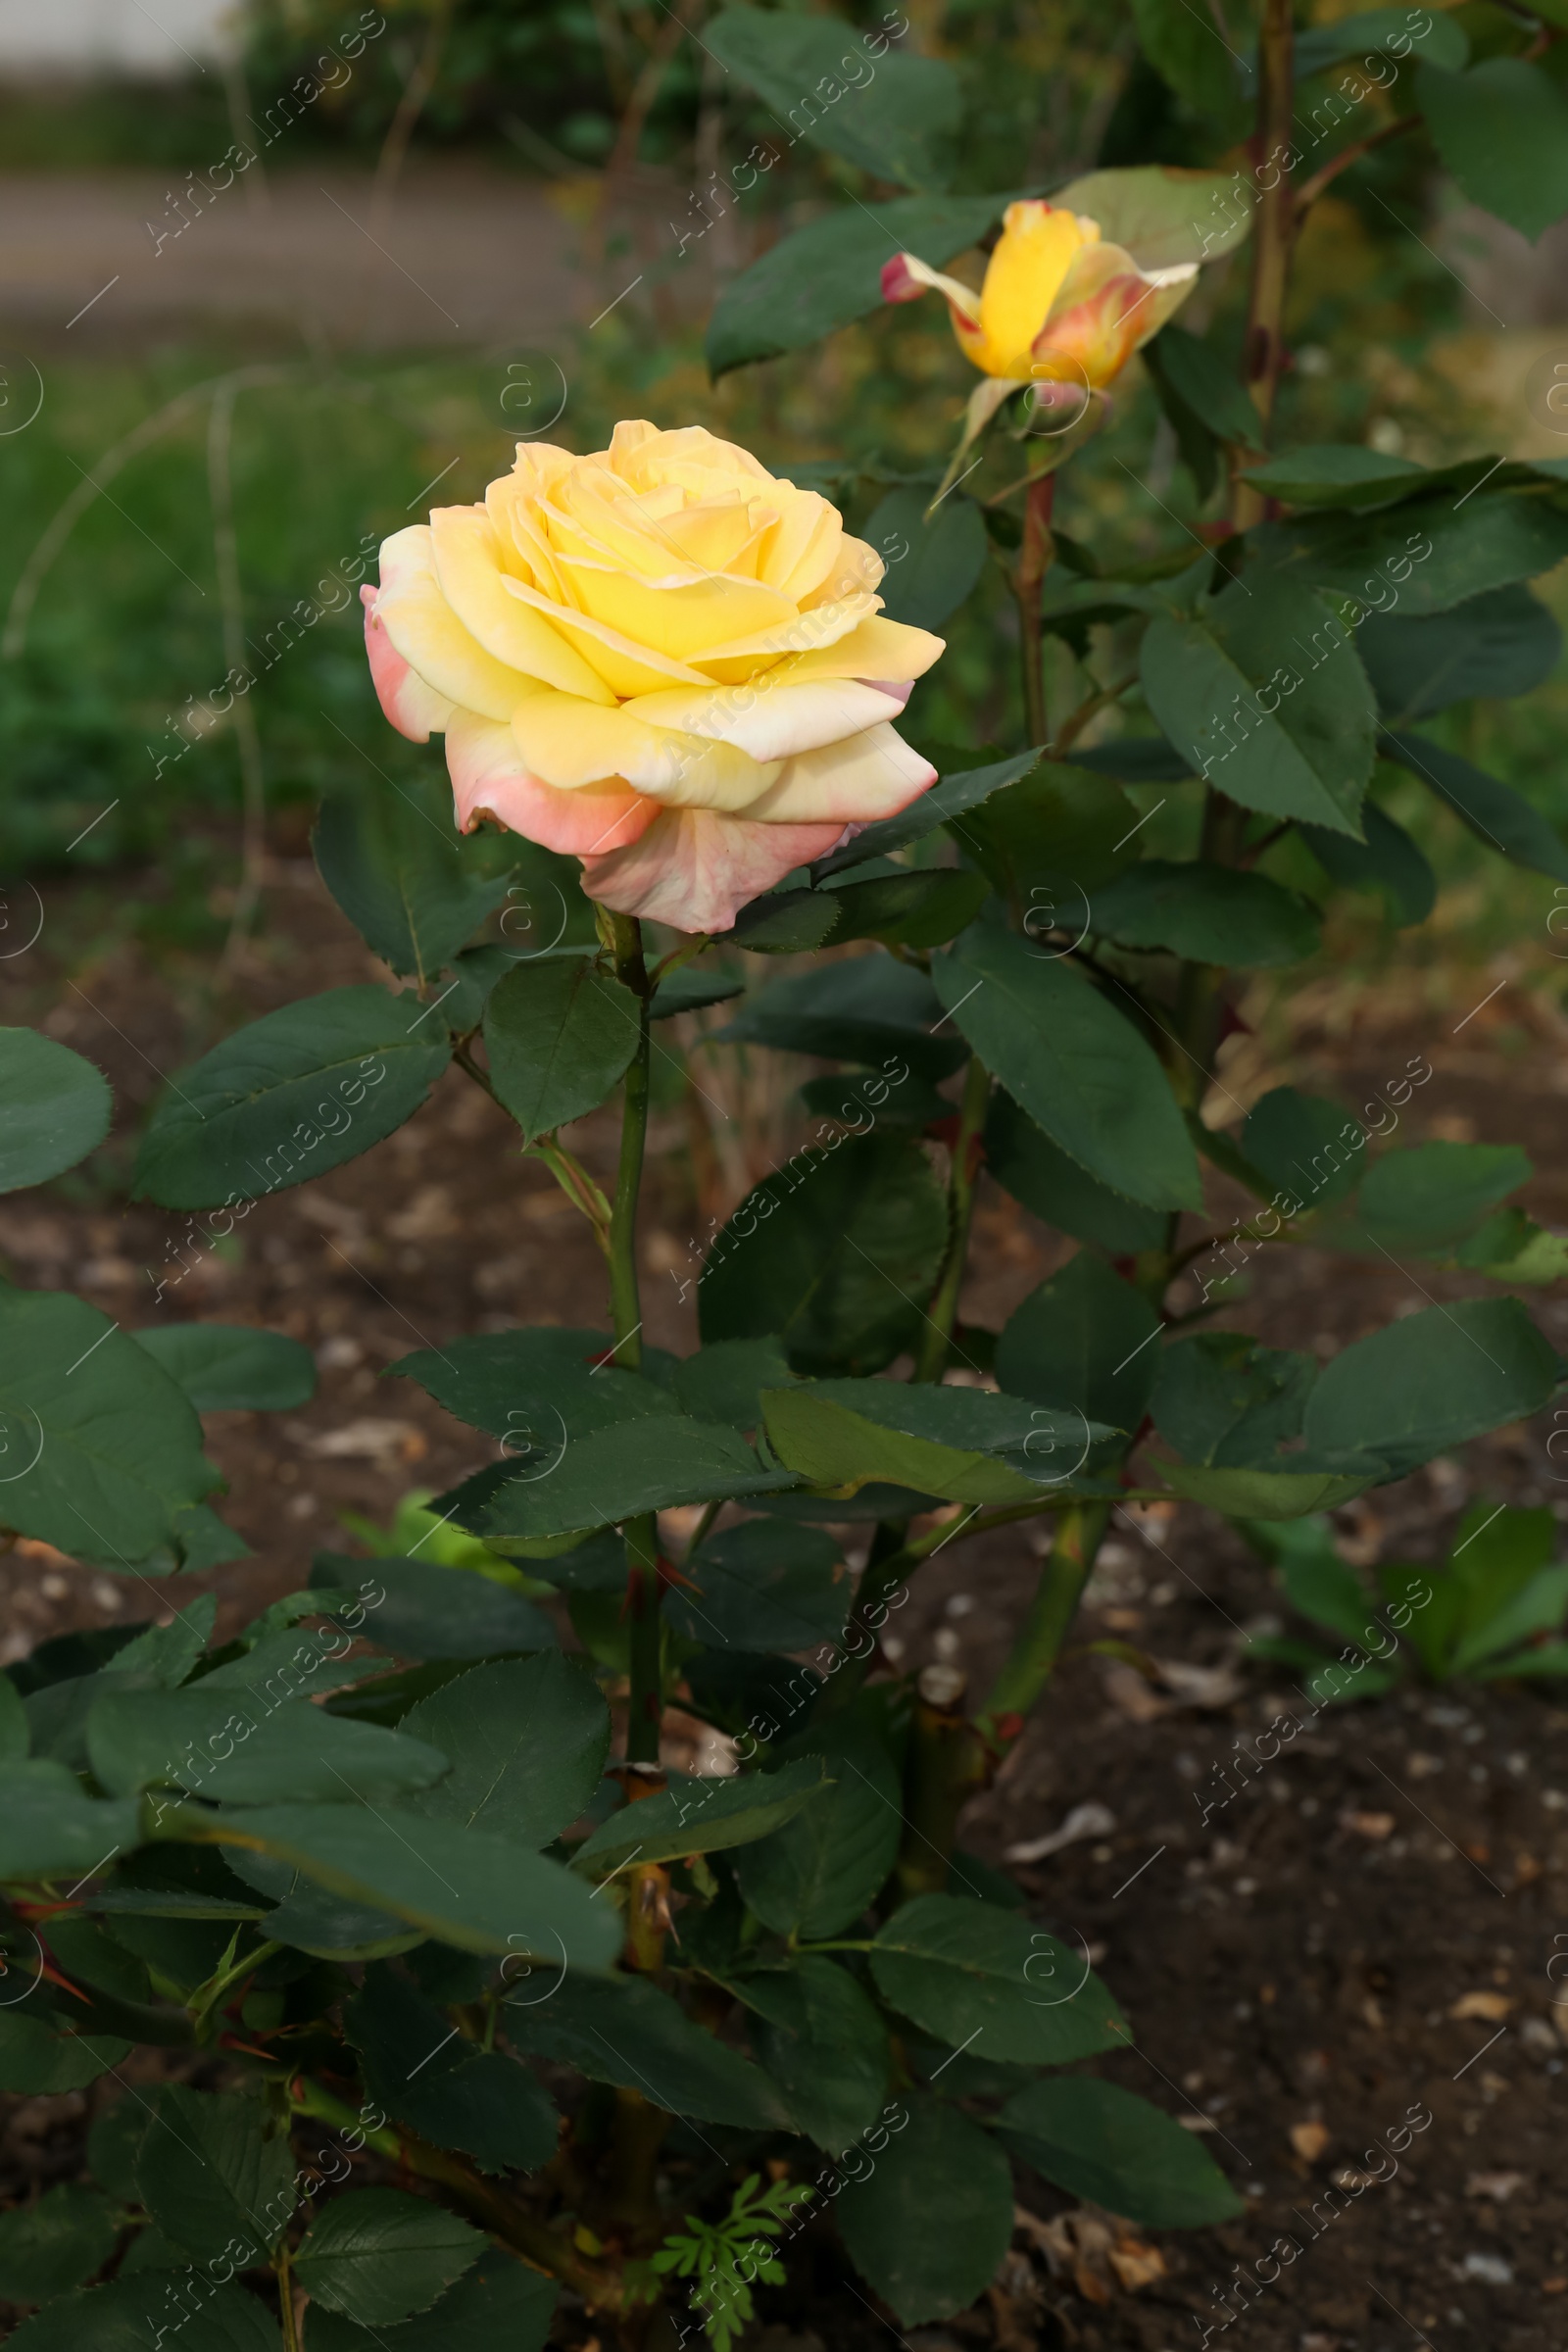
(84, 36)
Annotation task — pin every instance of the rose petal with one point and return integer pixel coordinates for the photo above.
(415, 708)
(489, 776)
(695, 869)
(430, 637)
(869, 776)
(771, 721)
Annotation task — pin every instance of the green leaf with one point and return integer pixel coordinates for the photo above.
(785, 922)
(622, 2031)
(1430, 1382)
(55, 1108)
(815, 1875)
(499, 2301)
(298, 1092)
(413, 886)
(1050, 839)
(829, 273)
(202, 1741)
(701, 1816)
(1320, 1585)
(1335, 473)
(114, 2143)
(1188, 54)
(1203, 383)
(945, 2167)
(933, 560)
(1500, 644)
(432, 2080)
(1434, 1194)
(1084, 1342)
(482, 1893)
(209, 2173)
(1538, 1609)
(835, 1254)
(1108, 2147)
(527, 1742)
(724, 1382)
(1206, 406)
(105, 1447)
(959, 1968)
(1388, 860)
(894, 115)
(1304, 1146)
(824, 2044)
(1501, 130)
(1223, 1400)
(1163, 215)
(1495, 811)
(1289, 1489)
(124, 2316)
(15, 1736)
(1081, 1071)
(559, 1033)
(1423, 555)
(763, 1585)
(55, 2244)
(1509, 1247)
(1319, 47)
(418, 1611)
(50, 1828)
(378, 2254)
(1207, 914)
(689, 990)
(232, 1367)
(609, 1475)
(1029, 1166)
(966, 1445)
(1306, 753)
(35, 2059)
(868, 1010)
(922, 909)
(948, 802)
(503, 1381)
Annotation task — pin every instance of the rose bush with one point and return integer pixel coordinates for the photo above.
(658, 658)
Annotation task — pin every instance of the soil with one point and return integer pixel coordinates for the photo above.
(1364, 1935)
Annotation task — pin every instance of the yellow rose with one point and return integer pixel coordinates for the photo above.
(1058, 305)
(658, 658)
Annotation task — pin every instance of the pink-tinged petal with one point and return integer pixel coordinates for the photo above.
(900, 690)
(415, 708)
(866, 777)
(696, 870)
(489, 777)
(899, 281)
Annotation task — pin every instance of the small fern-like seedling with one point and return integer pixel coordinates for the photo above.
(726, 2258)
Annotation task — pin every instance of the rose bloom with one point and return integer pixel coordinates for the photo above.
(1058, 305)
(658, 659)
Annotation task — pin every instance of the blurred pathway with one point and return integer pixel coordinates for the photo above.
(472, 256)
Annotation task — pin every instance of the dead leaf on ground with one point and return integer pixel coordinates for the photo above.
(1309, 2139)
(1499, 2186)
(1092, 1820)
(365, 1441)
(1136, 2265)
(1493, 2006)
(1375, 1826)
(1099, 2252)
(1133, 1697)
(1209, 1688)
